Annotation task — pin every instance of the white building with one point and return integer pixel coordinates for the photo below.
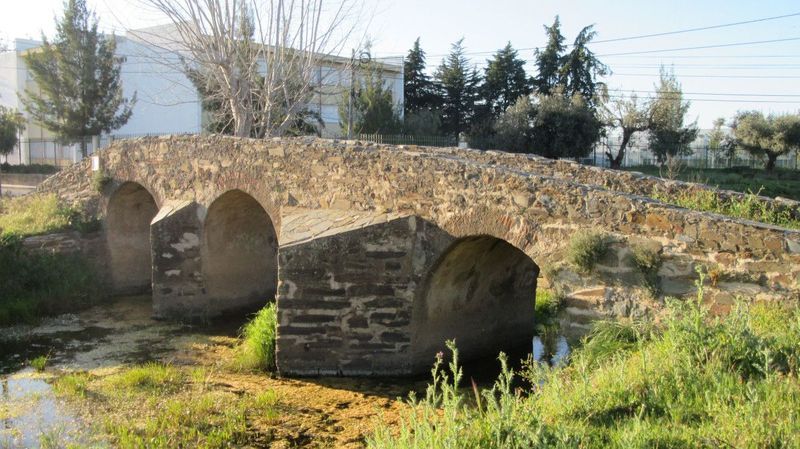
(167, 102)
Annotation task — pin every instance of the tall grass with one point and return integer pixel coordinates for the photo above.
(257, 349)
(40, 283)
(693, 380)
(36, 283)
(748, 207)
(31, 215)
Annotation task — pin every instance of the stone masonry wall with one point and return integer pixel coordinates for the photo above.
(535, 206)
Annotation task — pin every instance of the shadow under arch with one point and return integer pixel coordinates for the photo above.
(130, 210)
(239, 254)
(480, 292)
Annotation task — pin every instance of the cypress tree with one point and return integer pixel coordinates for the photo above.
(78, 78)
(549, 60)
(459, 86)
(419, 91)
(505, 80)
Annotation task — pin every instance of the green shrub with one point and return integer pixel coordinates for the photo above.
(36, 283)
(40, 363)
(257, 348)
(647, 262)
(100, 180)
(586, 248)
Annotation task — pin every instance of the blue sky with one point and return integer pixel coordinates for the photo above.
(740, 75)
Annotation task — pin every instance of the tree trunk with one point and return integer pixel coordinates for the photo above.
(771, 159)
(616, 162)
(84, 148)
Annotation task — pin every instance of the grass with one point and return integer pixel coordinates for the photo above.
(40, 363)
(257, 348)
(40, 283)
(692, 380)
(647, 262)
(779, 182)
(750, 207)
(33, 215)
(586, 248)
(162, 406)
(37, 283)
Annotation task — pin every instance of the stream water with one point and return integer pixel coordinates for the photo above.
(107, 337)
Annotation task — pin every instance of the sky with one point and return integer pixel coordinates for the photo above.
(739, 72)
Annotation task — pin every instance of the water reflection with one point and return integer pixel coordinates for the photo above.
(550, 349)
(31, 417)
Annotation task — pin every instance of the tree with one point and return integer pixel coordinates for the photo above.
(459, 86)
(11, 124)
(505, 80)
(564, 126)
(720, 142)
(770, 136)
(549, 60)
(420, 92)
(268, 79)
(374, 109)
(580, 69)
(668, 135)
(513, 129)
(630, 115)
(79, 93)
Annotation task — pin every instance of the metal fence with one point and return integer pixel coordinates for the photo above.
(59, 154)
(701, 156)
(405, 139)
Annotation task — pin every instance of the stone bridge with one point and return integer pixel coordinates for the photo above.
(376, 254)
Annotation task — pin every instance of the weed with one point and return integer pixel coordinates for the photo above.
(72, 385)
(586, 248)
(100, 180)
(647, 262)
(749, 207)
(37, 283)
(40, 363)
(257, 348)
(32, 215)
(149, 377)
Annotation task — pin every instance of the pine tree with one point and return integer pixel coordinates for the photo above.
(549, 61)
(374, 109)
(505, 80)
(78, 78)
(419, 91)
(580, 69)
(459, 86)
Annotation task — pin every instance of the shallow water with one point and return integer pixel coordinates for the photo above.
(31, 416)
(121, 333)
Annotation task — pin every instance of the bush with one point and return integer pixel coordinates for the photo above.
(39, 283)
(257, 349)
(647, 262)
(586, 248)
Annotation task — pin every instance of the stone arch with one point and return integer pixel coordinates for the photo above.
(129, 212)
(239, 254)
(480, 292)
